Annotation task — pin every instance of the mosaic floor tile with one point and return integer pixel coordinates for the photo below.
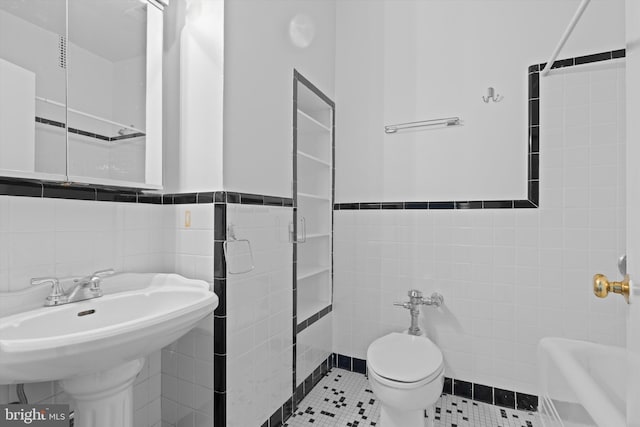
(344, 398)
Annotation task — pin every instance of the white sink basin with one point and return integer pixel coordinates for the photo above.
(53, 343)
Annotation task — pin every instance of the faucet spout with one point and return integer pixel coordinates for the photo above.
(84, 289)
(87, 287)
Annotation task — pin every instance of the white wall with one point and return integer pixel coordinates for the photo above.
(258, 104)
(127, 160)
(400, 61)
(90, 86)
(129, 92)
(38, 53)
(95, 83)
(193, 91)
(511, 276)
(259, 312)
(173, 22)
(240, 48)
(17, 112)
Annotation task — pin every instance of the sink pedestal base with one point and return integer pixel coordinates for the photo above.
(104, 399)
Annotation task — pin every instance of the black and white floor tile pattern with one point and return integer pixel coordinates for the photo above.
(341, 398)
(344, 398)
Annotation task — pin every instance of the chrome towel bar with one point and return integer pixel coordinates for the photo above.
(449, 121)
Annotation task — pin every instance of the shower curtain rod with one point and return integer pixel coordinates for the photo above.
(565, 36)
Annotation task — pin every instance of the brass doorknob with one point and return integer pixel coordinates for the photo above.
(602, 286)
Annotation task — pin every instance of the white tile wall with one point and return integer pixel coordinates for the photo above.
(187, 378)
(57, 237)
(259, 313)
(146, 393)
(509, 277)
(313, 346)
(187, 364)
(193, 245)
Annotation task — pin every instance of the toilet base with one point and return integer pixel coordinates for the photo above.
(390, 417)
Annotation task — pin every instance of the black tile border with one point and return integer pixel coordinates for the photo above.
(532, 187)
(462, 389)
(482, 393)
(313, 318)
(52, 191)
(491, 395)
(526, 402)
(465, 389)
(504, 398)
(220, 313)
(219, 409)
(348, 363)
(447, 388)
(21, 187)
(533, 156)
(245, 199)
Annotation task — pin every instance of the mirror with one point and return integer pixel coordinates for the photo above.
(90, 72)
(106, 89)
(31, 71)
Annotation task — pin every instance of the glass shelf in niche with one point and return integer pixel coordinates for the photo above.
(310, 124)
(305, 272)
(313, 158)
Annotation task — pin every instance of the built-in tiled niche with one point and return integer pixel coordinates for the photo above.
(312, 229)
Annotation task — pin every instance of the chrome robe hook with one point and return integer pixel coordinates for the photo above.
(492, 96)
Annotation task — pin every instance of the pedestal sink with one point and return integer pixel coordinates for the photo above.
(97, 347)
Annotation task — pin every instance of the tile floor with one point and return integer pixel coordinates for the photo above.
(344, 398)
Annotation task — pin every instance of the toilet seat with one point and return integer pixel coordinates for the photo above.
(391, 383)
(404, 361)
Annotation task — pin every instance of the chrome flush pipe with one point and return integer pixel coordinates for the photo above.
(413, 305)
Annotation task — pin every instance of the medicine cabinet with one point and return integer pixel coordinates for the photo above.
(81, 91)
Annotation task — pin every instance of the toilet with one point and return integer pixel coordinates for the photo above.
(406, 373)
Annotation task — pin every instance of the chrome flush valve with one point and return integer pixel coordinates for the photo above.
(415, 301)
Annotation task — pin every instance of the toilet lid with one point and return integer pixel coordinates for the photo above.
(404, 357)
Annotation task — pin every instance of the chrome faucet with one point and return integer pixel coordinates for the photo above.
(87, 287)
(415, 301)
